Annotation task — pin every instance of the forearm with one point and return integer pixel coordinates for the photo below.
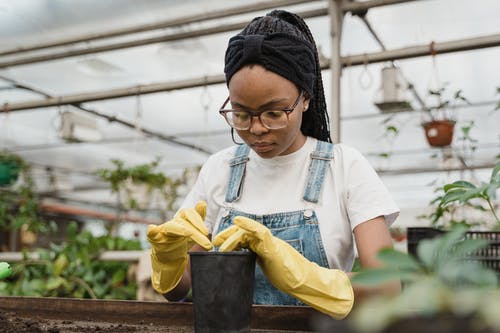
(181, 290)
(362, 293)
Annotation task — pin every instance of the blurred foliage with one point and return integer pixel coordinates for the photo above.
(444, 102)
(72, 269)
(441, 281)
(120, 177)
(19, 201)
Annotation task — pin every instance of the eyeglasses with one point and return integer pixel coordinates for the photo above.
(271, 119)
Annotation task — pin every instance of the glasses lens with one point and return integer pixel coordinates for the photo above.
(238, 119)
(274, 119)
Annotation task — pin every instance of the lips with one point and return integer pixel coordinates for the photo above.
(262, 147)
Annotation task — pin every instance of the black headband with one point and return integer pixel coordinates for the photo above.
(284, 54)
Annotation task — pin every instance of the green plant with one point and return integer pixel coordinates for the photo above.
(461, 194)
(443, 281)
(122, 180)
(72, 269)
(19, 203)
(445, 102)
(390, 135)
(10, 165)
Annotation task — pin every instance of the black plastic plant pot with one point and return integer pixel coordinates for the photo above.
(222, 285)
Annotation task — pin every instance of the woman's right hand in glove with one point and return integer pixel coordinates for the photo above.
(170, 243)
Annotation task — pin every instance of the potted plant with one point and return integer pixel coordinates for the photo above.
(10, 166)
(19, 205)
(440, 125)
(444, 289)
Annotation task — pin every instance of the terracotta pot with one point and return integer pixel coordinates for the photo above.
(439, 133)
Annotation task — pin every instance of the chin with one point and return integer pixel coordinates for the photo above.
(266, 154)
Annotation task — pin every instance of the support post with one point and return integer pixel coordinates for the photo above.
(336, 19)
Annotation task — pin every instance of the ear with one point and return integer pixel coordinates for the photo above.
(306, 104)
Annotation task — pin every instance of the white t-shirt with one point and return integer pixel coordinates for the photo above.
(352, 194)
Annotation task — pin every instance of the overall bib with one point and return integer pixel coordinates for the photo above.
(299, 228)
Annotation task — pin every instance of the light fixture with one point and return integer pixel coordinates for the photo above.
(392, 94)
(77, 127)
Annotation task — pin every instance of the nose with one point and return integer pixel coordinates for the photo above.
(256, 126)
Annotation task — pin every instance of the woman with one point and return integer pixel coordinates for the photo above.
(287, 193)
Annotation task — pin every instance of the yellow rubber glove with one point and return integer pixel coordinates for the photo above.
(326, 290)
(170, 243)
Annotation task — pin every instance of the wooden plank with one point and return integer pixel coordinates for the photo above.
(284, 318)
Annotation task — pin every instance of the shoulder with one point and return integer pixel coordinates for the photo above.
(220, 158)
(346, 154)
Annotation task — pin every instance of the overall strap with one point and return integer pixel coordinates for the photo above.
(320, 160)
(238, 166)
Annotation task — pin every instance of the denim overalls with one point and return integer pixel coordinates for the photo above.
(299, 228)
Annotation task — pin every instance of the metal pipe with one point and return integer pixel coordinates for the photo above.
(465, 44)
(355, 60)
(355, 6)
(423, 110)
(158, 25)
(336, 16)
(143, 41)
(77, 211)
(431, 169)
(346, 7)
(116, 93)
(485, 146)
(128, 256)
(171, 139)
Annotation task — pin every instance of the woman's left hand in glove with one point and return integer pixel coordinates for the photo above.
(327, 290)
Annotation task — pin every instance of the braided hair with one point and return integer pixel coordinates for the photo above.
(315, 121)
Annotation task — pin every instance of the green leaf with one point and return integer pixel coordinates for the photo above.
(72, 230)
(118, 277)
(468, 247)
(460, 184)
(376, 276)
(395, 259)
(60, 264)
(451, 196)
(54, 282)
(491, 191)
(392, 129)
(495, 174)
(384, 155)
(427, 251)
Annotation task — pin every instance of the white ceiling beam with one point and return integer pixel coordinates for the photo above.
(263, 5)
(86, 49)
(354, 60)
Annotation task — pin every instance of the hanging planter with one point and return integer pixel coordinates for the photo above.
(10, 166)
(439, 126)
(439, 133)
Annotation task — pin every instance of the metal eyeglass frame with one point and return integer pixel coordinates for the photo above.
(258, 114)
